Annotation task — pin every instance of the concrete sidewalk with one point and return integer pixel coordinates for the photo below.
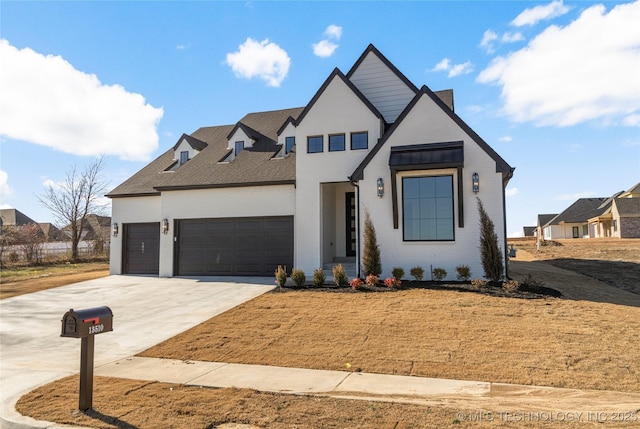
(470, 395)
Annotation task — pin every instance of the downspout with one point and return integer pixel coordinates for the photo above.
(504, 217)
(357, 186)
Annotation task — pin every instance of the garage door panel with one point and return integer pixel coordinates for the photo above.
(234, 246)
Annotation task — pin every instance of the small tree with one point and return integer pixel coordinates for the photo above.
(371, 251)
(75, 198)
(490, 252)
(30, 241)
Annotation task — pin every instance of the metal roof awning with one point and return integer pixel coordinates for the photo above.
(427, 156)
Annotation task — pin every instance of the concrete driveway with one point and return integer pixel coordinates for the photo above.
(146, 311)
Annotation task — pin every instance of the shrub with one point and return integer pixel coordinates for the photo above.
(463, 272)
(439, 274)
(318, 277)
(417, 273)
(356, 283)
(531, 282)
(371, 280)
(281, 276)
(298, 277)
(510, 285)
(371, 251)
(339, 276)
(490, 252)
(397, 273)
(478, 283)
(392, 282)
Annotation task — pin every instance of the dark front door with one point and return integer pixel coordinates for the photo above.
(141, 248)
(350, 223)
(234, 246)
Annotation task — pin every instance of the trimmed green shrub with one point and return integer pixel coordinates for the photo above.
(339, 276)
(281, 276)
(397, 273)
(490, 252)
(417, 273)
(463, 272)
(298, 277)
(439, 274)
(318, 277)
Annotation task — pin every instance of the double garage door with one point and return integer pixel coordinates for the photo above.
(233, 246)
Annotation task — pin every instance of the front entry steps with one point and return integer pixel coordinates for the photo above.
(348, 263)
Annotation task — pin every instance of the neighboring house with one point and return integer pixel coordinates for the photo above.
(621, 218)
(15, 218)
(291, 187)
(541, 228)
(95, 227)
(573, 222)
(529, 231)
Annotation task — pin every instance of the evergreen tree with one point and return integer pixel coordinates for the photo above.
(490, 252)
(371, 252)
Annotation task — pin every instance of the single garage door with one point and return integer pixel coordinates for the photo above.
(141, 248)
(234, 246)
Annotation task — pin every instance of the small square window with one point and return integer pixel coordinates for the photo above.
(184, 157)
(239, 147)
(315, 144)
(359, 140)
(336, 142)
(289, 143)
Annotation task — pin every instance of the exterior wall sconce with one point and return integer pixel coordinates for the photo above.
(114, 229)
(476, 183)
(165, 226)
(380, 187)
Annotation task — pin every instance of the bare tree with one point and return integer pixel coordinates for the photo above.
(30, 240)
(8, 238)
(76, 198)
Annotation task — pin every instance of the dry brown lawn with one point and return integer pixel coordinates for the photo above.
(589, 339)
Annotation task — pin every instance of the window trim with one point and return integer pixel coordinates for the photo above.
(235, 148)
(288, 148)
(358, 133)
(344, 142)
(453, 203)
(321, 137)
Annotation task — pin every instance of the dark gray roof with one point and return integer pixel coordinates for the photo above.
(628, 206)
(193, 142)
(580, 211)
(14, 217)
(544, 219)
(253, 166)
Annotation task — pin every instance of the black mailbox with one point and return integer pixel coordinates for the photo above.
(86, 323)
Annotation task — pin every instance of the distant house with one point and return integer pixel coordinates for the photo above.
(529, 231)
(15, 218)
(621, 218)
(543, 220)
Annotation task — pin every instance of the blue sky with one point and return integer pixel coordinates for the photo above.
(553, 87)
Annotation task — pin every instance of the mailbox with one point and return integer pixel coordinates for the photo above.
(86, 323)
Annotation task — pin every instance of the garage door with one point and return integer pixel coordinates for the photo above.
(234, 246)
(141, 248)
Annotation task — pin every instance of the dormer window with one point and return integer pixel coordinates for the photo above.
(289, 143)
(184, 156)
(239, 146)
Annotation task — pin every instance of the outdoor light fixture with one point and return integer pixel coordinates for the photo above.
(380, 187)
(114, 229)
(476, 183)
(165, 226)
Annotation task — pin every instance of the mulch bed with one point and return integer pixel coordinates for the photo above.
(491, 289)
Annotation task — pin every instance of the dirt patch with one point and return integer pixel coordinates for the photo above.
(42, 278)
(132, 404)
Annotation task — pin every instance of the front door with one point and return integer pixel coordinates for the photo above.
(350, 223)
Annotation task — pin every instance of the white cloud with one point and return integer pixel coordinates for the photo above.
(574, 197)
(5, 189)
(326, 47)
(488, 38)
(512, 37)
(506, 139)
(584, 71)
(333, 32)
(540, 13)
(46, 101)
(453, 69)
(510, 192)
(264, 60)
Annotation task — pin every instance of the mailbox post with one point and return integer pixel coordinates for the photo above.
(85, 324)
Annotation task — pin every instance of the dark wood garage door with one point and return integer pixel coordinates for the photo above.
(234, 246)
(141, 248)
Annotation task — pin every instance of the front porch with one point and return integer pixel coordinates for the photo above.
(339, 228)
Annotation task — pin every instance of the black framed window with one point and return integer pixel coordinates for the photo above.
(315, 144)
(359, 140)
(428, 208)
(184, 157)
(336, 142)
(289, 143)
(239, 147)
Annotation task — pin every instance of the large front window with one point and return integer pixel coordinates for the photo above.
(428, 208)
